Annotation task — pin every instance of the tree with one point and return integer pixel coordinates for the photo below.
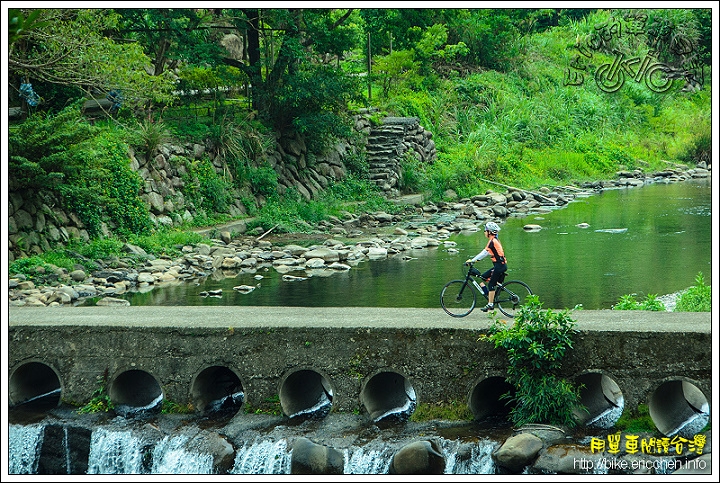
(67, 47)
(292, 88)
(172, 35)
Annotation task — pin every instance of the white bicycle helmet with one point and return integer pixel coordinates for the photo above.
(492, 227)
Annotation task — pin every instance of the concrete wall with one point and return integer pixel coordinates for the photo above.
(357, 355)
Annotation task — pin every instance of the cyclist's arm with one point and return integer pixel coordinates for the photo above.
(479, 256)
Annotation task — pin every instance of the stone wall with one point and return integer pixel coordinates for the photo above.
(38, 222)
(262, 345)
(388, 145)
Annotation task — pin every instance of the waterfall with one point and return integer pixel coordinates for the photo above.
(129, 451)
(170, 457)
(115, 452)
(263, 457)
(24, 445)
(365, 461)
(469, 458)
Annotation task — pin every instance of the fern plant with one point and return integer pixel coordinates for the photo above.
(100, 400)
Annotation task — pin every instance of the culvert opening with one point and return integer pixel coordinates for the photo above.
(678, 407)
(388, 396)
(34, 386)
(217, 389)
(136, 393)
(602, 398)
(306, 393)
(487, 402)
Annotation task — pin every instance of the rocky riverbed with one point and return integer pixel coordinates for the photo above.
(337, 244)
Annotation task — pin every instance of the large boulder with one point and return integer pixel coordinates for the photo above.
(310, 458)
(518, 451)
(418, 458)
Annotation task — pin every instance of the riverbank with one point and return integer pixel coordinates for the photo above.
(335, 245)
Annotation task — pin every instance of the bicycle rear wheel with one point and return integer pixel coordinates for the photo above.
(511, 297)
(458, 298)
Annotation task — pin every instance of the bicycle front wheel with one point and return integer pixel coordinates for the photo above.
(458, 298)
(511, 297)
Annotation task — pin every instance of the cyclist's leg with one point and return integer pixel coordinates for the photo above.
(492, 284)
(485, 276)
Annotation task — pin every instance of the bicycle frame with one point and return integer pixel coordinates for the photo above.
(457, 302)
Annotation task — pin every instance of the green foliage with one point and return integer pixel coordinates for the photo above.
(699, 149)
(394, 69)
(263, 180)
(205, 187)
(75, 47)
(536, 345)
(450, 411)
(20, 25)
(697, 298)
(100, 401)
(87, 166)
(638, 421)
(166, 241)
(44, 150)
(313, 102)
(40, 269)
(148, 136)
(293, 213)
(412, 175)
(99, 248)
(629, 302)
(171, 407)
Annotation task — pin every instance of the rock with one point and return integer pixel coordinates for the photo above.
(78, 275)
(565, 458)
(309, 458)
(531, 227)
(518, 451)
(418, 458)
(211, 443)
(244, 288)
(112, 302)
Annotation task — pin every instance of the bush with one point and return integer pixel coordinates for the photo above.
(696, 298)
(148, 136)
(205, 188)
(536, 344)
(636, 422)
(628, 302)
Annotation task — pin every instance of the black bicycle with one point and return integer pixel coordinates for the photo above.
(459, 297)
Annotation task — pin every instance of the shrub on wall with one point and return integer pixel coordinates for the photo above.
(536, 344)
(88, 166)
(205, 188)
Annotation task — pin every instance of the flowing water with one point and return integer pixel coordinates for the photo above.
(646, 240)
(116, 449)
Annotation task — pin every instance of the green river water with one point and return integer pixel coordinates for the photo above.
(653, 239)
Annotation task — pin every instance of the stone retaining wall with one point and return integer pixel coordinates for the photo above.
(38, 222)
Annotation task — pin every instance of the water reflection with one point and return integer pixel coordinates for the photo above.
(645, 240)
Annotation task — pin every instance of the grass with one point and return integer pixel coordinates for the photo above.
(446, 411)
(695, 299)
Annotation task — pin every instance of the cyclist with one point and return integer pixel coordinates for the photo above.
(494, 250)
